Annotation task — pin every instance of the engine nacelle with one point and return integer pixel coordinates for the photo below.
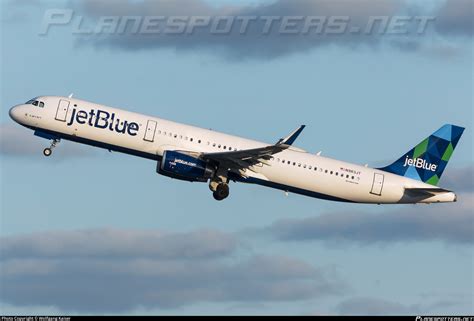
(185, 167)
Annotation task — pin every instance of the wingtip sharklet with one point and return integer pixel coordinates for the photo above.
(290, 139)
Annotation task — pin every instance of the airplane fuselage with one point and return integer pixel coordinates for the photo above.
(293, 170)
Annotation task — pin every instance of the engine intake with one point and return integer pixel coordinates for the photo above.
(185, 167)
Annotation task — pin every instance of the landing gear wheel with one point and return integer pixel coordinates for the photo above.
(49, 150)
(221, 192)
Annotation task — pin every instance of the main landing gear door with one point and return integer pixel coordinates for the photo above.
(377, 184)
(63, 107)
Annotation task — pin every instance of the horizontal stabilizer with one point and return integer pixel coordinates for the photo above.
(426, 191)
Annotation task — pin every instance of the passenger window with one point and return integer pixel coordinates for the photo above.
(331, 172)
(310, 167)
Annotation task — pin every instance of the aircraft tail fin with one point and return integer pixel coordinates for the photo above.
(427, 160)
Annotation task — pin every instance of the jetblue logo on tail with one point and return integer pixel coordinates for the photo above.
(103, 119)
(419, 163)
(427, 160)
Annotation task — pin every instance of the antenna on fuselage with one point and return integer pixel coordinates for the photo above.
(70, 95)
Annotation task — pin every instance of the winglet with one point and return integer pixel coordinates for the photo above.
(290, 139)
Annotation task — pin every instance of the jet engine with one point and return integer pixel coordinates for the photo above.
(185, 167)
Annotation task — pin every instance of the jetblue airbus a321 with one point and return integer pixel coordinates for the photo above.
(200, 155)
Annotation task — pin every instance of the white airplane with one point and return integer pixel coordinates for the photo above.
(200, 155)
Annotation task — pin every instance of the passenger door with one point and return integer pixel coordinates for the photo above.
(150, 131)
(377, 184)
(63, 107)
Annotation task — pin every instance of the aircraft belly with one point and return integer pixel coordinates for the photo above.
(340, 188)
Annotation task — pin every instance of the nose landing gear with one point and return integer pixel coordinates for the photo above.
(49, 150)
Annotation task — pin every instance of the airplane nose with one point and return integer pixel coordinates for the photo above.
(15, 113)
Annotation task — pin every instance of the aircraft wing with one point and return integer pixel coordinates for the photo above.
(246, 158)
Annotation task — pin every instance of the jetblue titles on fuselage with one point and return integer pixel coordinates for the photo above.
(103, 120)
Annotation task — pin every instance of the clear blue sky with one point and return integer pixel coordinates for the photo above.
(363, 103)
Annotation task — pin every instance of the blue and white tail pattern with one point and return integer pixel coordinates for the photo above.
(427, 160)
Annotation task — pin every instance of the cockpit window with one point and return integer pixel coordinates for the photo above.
(35, 102)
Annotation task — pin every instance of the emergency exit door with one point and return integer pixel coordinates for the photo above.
(63, 107)
(377, 184)
(150, 131)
